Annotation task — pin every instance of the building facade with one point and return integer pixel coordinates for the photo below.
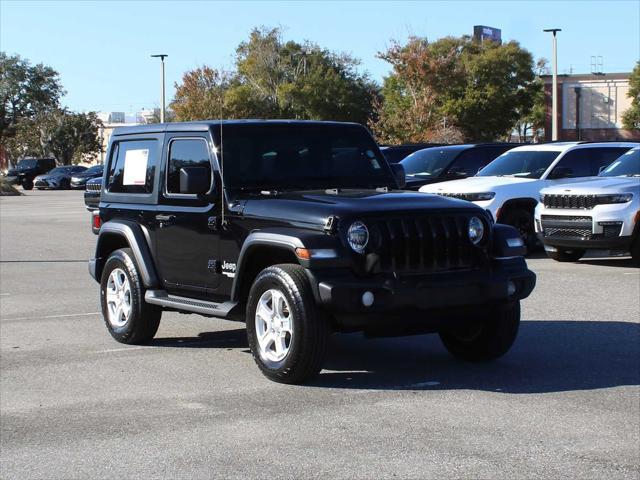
(590, 107)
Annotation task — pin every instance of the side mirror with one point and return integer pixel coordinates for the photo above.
(399, 174)
(195, 180)
(561, 172)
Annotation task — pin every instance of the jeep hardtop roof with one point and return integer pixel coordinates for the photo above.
(205, 125)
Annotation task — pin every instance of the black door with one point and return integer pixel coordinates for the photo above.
(187, 237)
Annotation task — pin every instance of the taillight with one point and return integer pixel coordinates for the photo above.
(97, 221)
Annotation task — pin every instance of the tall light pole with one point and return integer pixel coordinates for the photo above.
(554, 93)
(161, 56)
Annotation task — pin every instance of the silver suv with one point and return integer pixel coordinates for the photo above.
(593, 213)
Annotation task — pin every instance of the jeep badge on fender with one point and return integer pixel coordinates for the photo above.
(299, 229)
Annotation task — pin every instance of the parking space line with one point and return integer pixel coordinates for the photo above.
(110, 350)
(55, 316)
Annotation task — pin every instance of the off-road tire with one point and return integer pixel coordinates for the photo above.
(523, 221)
(27, 184)
(572, 255)
(491, 338)
(144, 319)
(311, 328)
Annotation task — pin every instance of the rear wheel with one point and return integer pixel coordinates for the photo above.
(27, 184)
(487, 338)
(572, 255)
(287, 334)
(127, 316)
(522, 220)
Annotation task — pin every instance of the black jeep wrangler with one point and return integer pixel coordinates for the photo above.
(300, 229)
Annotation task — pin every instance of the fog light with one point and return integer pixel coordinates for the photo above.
(367, 299)
(511, 288)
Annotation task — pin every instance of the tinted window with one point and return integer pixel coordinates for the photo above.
(95, 169)
(186, 153)
(302, 156)
(520, 163)
(628, 165)
(586, 162)
(132, 166)
(472, 160)
(429, 162)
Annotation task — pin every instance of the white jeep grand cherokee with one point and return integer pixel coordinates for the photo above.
(509, 187)
(597, 213)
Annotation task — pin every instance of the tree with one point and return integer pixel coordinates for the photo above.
(277, 79)
(454, 87)
(68, 137)
(631, 118)
(25, 91)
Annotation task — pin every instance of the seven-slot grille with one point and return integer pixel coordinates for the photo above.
(567, 226)
(431, 243)
(585, 202)
(94, 187)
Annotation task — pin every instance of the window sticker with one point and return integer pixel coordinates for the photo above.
(135, 167)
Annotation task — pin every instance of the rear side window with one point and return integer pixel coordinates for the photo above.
(188, 152)
(587, 162)
(133, 165)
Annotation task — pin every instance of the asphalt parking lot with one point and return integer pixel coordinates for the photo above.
(565, 402)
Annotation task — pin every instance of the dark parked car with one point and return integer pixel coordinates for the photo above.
(439, 164)
(59, 178)
(395, 153)
(92, 193)
(308, 232)
(79, 180)
(27, 169)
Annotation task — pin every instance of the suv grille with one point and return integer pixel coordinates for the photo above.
(94, 187)
(460, 196)
(570, 201)
(424, 244)
(560, 226)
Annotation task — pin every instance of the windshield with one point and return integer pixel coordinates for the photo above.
(522, 163)
(302, 156)
(429, 162)
(627, 165)
(94, 169)
(27, 163)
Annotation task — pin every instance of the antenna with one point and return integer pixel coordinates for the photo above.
(221, 176)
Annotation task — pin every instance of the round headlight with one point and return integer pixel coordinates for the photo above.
(358, 236)
(476, 230)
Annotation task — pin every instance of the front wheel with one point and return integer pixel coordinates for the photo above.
(635, 251)
(27, 184)
(287, 335)
(487, 338)
(572, 255)
(521, 220)
(127, 316)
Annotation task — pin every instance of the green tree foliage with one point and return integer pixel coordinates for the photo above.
(68, 137)
(454, 88)
(25, 91)
(631, 118)
(277, 79)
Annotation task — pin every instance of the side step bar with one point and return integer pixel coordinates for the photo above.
(162, 298)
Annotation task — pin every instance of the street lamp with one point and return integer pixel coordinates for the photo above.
(554, 93)
(161, 56)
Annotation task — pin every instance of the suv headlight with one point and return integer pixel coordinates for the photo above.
(480, 197)
(615, 198)
(358, 236)
(476, 230)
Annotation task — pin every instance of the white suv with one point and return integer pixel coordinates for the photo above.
(597, 213)
(509, 187)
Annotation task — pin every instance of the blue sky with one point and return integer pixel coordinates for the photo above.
(101, 49)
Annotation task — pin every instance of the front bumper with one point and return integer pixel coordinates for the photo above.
(92, 200)
(343, 293)
(596, 242)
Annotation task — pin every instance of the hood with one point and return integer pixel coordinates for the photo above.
(595, 185)
(314, 206)
(475, 184)
(50, 176)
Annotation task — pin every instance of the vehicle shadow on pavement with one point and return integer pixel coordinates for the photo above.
(236, 338)
(548, 356)
(620, 262)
